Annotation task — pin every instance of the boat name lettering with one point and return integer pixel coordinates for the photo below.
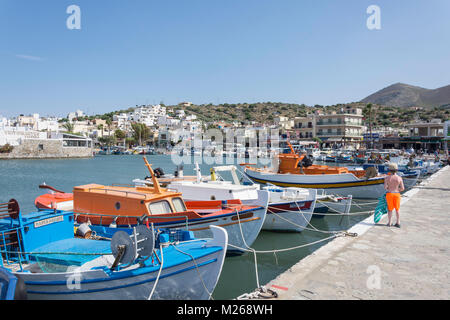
(48, 221)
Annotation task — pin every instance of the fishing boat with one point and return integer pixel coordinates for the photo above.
(289, 209)
(40, 250)
(410, 177)
(54, 199)
(284, 212)
(107, 208)
(289, 172)
(11, 287)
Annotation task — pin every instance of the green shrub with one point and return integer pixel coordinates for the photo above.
(7, 148)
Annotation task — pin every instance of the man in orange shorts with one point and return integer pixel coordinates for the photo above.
(393, 184)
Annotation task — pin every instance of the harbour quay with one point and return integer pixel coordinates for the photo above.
(407, 263)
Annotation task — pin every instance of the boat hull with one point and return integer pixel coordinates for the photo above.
(183, 280)
(336, 184)
(290, 216)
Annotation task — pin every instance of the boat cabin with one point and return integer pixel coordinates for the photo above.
(290, 163)
(126, 201)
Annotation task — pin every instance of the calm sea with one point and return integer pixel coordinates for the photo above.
(19, 179)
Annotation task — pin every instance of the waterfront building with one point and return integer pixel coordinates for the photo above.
(446, 139)
(343, 127)
(427, 136)
(284, 122)
(304, 127)
(28, 143)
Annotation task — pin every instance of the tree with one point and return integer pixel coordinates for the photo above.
(140, 132)
(69, 127)
(109, 123)
(100, 127)
(119, 134)
(368, 112)
(108, 140)
(130, 141)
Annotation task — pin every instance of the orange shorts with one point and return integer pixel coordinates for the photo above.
(393, 201)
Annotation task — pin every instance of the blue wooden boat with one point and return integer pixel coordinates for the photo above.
(11, 287)
(41, 250)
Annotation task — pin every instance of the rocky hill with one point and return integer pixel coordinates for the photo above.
(404, 95)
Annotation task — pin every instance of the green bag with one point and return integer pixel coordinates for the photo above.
(381, 209)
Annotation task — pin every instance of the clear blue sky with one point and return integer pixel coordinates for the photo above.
(145, 51)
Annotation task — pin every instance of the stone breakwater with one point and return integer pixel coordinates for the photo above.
(46, 148)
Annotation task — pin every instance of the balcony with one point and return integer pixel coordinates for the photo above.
(339, 134)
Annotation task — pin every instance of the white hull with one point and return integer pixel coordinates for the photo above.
(243, 230)
(293, 221)
(184, 281)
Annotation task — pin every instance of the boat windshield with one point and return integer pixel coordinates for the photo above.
(178, 204)
(160, 207)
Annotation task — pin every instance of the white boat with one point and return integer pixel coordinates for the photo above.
(289, 209)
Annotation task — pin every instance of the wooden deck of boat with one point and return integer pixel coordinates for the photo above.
(383, 262)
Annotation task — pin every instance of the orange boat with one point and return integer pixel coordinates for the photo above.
(107, 209)
(290, 171)
(55, 200)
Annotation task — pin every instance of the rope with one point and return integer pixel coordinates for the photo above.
(358, 213)
(196, 266)
(308, 223)
(296, 247)
(61, 253)
(159, 273)
(251, 249)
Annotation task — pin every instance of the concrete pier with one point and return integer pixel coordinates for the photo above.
(411, 262)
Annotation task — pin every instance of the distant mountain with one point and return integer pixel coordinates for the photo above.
(404, 95)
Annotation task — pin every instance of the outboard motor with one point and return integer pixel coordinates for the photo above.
(158, 172)
(306, 162)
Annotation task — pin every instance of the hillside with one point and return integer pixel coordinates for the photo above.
(404, 95)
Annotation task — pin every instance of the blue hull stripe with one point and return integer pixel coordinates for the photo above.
(109, 288)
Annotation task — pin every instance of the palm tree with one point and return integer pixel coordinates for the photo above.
(68, 126)
(140, 132)
(368, 111)
(109, 123)
(100, 127)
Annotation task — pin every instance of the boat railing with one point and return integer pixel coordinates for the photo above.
(122, 185)
(11, 234)
(126, 192)
(140, 219)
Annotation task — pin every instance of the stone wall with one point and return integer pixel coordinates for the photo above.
(46, 148)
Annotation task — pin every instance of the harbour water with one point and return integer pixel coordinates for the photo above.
(20, 180)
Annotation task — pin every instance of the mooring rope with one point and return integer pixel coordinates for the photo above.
(159, 273)
(196, 266)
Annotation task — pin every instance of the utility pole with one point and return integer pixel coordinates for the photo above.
(369, 107)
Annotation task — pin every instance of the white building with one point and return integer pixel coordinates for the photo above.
(122, 120)
(168, 121)
(47, 124)
(148, 115)
(180, 113)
